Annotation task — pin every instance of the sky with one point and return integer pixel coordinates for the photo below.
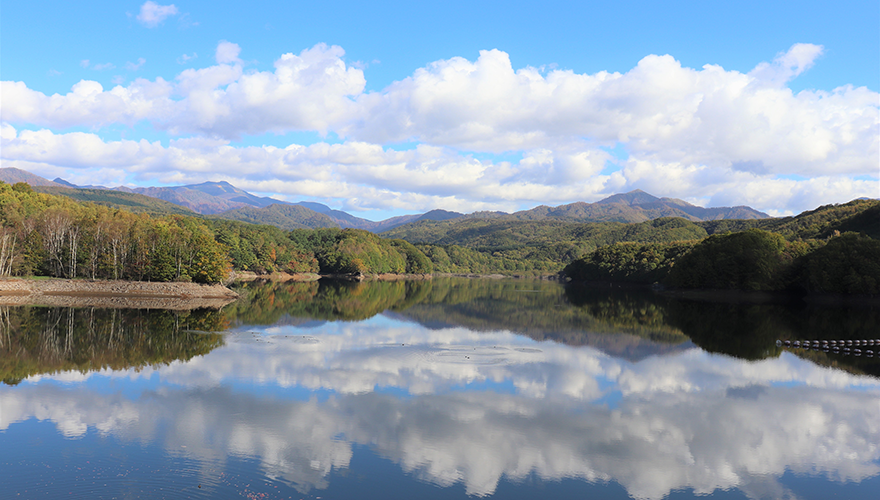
(390, 108)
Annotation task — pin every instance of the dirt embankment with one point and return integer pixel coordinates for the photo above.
(123, 294)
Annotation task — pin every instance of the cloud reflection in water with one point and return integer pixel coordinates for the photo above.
(686, 420)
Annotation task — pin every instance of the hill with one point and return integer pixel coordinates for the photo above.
(132, 202)
(206, 198)
(861, 216)
(227, 201)
(635, 206)
(286, 217)
(11, 175)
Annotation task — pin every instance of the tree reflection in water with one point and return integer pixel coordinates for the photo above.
(483, 384)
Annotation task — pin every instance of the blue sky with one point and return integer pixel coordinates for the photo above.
(395, 107)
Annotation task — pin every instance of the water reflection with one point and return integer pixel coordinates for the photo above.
(36, 340)
(743, 437)
(457, 384)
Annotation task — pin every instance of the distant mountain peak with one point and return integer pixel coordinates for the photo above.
(12, 175)
(59, 180)
(634, 197)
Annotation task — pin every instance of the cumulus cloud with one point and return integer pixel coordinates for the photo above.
(88, 104)
(698, 134)
(362, 176)
(152, 14)
(708, 116)
(227, 53)
(787, 65)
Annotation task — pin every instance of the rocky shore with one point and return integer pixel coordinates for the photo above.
(121, 294)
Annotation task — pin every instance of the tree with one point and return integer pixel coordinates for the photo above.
(55, 225)
(750, 260)
(210, 265)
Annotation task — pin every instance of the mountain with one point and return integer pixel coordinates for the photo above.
(635, 206)
(132, 202)
(433, 215)
(206, 198)
(635, 197)
(286, 217)
(59, 180)
(224, 200)
(12, 175)
(340, 218)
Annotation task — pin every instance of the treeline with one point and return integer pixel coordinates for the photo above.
(47, 235)
(752, 260)
(548, 245)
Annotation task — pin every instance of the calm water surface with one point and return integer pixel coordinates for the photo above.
(439, 389)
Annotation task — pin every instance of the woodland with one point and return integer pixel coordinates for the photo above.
(833, 249)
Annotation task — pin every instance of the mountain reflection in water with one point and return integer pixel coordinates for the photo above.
(455, 383)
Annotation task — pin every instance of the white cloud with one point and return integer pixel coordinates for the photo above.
(152, 14)
(787, 65)
(700, 117)
(87, 104)
(686, 420)
(227, 53)
(130, 66)
(183, 59)
(691, 133)
(361, 176)
(103, 66)
(709, 116)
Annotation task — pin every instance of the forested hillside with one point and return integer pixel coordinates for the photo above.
(132, 202)
(833, 249)
(828, 249)
(48, 235)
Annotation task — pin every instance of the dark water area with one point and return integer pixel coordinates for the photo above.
(448, 388)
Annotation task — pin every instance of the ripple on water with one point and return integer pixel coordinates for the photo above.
(91, 476)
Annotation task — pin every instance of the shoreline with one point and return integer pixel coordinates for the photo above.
(58, 292)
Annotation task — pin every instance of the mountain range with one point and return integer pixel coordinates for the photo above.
(223, 200)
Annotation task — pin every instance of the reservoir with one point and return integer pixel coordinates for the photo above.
(445, 389)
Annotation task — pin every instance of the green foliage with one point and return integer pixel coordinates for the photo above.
(42, 234)
(283, 216)
(750, 260)
(210, 263)
(472, 245)
(416, 261)
(848, 264)
(131, 202)
(57, 236)
(264, 249)
(628, 262)
(355, 251)
(860, 216)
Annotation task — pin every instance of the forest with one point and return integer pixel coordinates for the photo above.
(831, 249)
(752, 260)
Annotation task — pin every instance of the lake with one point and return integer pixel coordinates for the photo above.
(445, 388)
